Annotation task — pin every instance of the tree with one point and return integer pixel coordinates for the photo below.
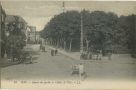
(63, 29)
(99, 29)
(105, 31)
(132, 34)
(16, 39)
(124, 36)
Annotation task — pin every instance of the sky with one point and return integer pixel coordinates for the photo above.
(39, 13)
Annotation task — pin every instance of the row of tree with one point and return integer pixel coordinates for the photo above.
(101, 30)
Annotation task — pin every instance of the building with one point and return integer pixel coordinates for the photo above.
(32, 35)
(38, 37)
(2, 31)
(27, 34)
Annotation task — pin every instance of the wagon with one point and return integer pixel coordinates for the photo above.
(25, 56)
(75, 71)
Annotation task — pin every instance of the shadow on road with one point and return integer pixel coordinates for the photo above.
(8, 64)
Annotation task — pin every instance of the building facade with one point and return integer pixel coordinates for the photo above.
(38, 39)
(32, 35)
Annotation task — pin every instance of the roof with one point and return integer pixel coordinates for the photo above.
(12, 18)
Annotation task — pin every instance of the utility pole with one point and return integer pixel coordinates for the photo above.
(81, 38)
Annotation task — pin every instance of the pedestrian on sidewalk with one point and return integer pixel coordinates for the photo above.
(43, 48)
(52, 52)
(40, 47)
(82, 73)
(109, 55)
(81, 70)
(56, 51)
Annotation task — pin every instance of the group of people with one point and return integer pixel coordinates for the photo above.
(54, 52)
(95, 55)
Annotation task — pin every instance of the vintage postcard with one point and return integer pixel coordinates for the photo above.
(67, 45)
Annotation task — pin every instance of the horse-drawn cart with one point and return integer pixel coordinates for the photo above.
(79, 70)
(25, 56)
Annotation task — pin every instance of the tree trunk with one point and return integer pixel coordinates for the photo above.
(58, 43)
(87, 45)
(64, 45)
(55, 42)
(51, 42)
(70, 46)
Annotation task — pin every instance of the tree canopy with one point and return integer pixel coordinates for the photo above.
(16, 39)
(103, 30)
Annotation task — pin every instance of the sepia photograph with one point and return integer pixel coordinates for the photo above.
(67, 44)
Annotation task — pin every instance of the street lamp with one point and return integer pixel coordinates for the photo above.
(82, 38)
(7, 34)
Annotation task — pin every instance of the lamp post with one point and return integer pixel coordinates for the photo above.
(7, 34)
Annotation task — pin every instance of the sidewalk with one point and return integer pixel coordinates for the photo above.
(72, 55)
(4, 62)
(119, 59)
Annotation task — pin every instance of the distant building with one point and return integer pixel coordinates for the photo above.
(37, 37)
(27, 34)
(2, 31)
(32, 35)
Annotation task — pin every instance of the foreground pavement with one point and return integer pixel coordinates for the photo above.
(46, 67)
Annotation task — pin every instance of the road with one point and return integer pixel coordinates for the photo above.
(45, 67)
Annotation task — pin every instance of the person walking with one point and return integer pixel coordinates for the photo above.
(52, 52)
(40, 47)
(81, 70)
(43, 48)
(109, 55)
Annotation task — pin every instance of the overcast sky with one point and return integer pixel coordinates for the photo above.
(38, 13)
